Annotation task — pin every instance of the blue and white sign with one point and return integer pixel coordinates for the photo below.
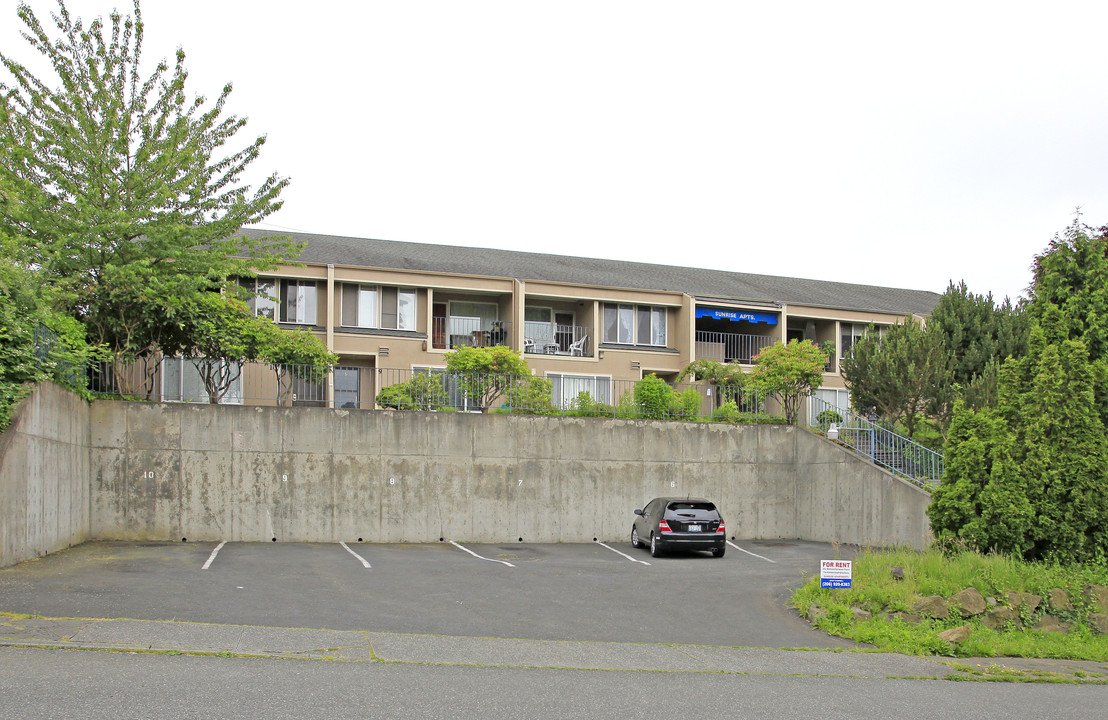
(835, 573)
(735, 315)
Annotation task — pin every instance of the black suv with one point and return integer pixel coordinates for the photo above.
(671, 523)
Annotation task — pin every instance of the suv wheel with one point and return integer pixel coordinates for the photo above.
(635, 537)
(655, 550)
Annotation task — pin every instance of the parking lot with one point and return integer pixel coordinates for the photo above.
(593, 591)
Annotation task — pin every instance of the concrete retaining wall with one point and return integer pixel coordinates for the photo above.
(167, 472)
(44, 476)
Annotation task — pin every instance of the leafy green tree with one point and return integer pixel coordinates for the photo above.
(223, 334)
(486, 373)
(790, 372)
(725, 379)
(902, 375)
(127, 200)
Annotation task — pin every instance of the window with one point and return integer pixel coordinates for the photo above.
(398, 308)
(182, 380)
(369, 306)
(635, 324)
(298, 302)
(359, 306)
(264, 303)
(852, 332)
(566, 388)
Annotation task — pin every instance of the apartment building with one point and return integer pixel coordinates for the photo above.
(583, 323)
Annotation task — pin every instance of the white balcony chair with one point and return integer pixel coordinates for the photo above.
(577, 348)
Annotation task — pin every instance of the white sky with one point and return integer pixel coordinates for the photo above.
(871, 142)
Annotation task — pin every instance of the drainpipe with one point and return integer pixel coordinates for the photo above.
(330, 330)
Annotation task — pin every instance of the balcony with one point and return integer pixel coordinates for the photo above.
(731, 347)
(448, 333)
(544, 338)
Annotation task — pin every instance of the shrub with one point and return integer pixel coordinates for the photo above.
(728, 412)
(530, 395)
(584, 406)
(685, 404)
(653, 395)
(424, 391)
(827, 418)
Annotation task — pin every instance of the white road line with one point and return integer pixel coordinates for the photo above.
(362, 559)
(502, 562)
(212, 556)
(750, 553)
(617, 552)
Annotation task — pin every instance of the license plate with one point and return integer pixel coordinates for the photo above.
(694, 528)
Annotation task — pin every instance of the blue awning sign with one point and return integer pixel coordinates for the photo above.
(735, 315)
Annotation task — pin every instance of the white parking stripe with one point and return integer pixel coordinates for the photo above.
(212, 556)
(750, 553)
(502, 562)
(617, 552)
(347, 548)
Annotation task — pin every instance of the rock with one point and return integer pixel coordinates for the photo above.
(969, 602)
(815, 613)
(898, 572)
(1099, 622)
(999, 617)
(956, 635)
(1059, 601)
(860, 615)
(991, 601)
(1020, 599)
(1049, 623)
(909, 618)
(1097, 596)
(934, 606)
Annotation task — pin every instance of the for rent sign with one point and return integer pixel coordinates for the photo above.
(835, 573)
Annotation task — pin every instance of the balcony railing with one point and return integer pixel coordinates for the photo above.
(448, 333)
(544, 338)
(731, 347)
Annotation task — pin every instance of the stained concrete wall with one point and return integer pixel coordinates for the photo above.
(44, 476)
(168, 472)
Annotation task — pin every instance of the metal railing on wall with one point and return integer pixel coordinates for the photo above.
(363, 388)
(881, 445)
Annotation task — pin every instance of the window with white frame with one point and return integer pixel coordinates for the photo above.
(183, 381)
(850, 333)
(263, 302)
(635, 325)
(370, 306)
(298, 302)
(566, 388)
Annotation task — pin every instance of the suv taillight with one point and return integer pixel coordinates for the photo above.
(663, 526)
(721, 528)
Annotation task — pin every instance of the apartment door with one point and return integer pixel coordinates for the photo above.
(563, 330)
(348, 383)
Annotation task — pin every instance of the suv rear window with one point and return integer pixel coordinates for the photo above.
(692, 506)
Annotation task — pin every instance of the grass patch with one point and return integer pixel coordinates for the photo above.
(933, 573)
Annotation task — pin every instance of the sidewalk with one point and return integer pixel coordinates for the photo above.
(365, 646)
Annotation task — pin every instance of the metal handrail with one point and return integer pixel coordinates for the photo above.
(884, 447)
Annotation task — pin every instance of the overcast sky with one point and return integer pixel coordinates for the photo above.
(899, 144)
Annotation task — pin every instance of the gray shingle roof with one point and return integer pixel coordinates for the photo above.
(700, 283)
